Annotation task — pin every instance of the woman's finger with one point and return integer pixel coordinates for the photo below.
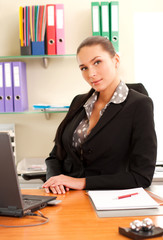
(53, 190)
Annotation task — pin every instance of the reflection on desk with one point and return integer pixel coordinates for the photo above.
(73, 219)
(157, 189)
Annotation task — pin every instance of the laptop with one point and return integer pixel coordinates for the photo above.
(12, 202)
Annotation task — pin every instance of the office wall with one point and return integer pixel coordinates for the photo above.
(62, 79)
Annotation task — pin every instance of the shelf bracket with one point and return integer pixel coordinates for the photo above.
(45, 62)
(47, 114)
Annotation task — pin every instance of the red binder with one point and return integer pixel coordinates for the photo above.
(51, 28)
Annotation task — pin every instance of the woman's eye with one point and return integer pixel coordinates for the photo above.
(97, 62)
(83, 68)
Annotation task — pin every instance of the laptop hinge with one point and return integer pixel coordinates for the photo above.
(13, 211)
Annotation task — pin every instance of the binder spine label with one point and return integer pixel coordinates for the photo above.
(7, 75)
(115, 18)
(60, 18)
(95, 19)
(1, 77)
(50, 15)
(105, 18)
(16, 77)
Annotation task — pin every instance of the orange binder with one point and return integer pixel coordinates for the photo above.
(51, 29)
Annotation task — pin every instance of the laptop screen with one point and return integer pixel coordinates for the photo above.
(12, 203)
(9, 186)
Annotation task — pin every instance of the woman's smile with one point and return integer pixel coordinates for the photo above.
(96, 82)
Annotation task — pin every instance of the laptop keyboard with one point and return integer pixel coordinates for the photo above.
(29, 202)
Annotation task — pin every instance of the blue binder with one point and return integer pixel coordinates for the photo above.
(38, 48)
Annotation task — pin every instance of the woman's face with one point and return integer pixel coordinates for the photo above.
(98, 68)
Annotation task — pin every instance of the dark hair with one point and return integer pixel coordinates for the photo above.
(98, 40)
(77, 105)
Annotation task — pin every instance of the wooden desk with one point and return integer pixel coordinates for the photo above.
(73, 219)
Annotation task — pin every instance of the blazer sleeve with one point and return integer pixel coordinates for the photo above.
(142, 155)
(53, 164)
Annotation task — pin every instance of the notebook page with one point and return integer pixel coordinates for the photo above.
(119, 199)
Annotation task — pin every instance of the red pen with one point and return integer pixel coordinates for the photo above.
(127, 195)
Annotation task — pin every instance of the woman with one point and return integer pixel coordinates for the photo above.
(107, 140)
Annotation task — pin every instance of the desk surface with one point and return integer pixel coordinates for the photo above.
(73, 219)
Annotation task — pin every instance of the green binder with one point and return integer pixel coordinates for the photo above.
(114, 24)
(96, 21)
(105, 25)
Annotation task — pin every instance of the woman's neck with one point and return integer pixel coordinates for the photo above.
(106, 95)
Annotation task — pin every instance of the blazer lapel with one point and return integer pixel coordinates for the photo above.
(109, 114)
(73, 125)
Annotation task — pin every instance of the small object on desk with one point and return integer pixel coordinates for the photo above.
(136, 225)
(127, 195)
(141, 230)
(107, 199)
(54, 202)
(147, 224)
(127, 232)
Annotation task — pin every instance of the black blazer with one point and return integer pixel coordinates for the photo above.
(120, 151)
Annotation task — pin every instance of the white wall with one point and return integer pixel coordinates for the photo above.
(62, 79)
(149, 64)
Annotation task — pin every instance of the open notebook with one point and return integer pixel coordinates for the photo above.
(135, 198)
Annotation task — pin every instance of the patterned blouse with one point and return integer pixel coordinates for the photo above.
(80, 133)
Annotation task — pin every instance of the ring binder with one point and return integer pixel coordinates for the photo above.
(114, 25)
(38, 48)
(96, 21)
(9, 107)
(2, 101)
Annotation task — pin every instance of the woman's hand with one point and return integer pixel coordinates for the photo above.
(57, 190)
(62, 183)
